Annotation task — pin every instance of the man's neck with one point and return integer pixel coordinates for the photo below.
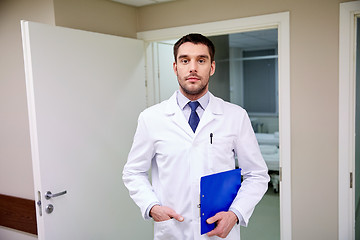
(193, 97)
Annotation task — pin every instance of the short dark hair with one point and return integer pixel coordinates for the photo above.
(195, 38)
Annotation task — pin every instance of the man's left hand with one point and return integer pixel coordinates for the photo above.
(225, 222)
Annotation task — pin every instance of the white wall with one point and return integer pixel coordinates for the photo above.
(168, 80)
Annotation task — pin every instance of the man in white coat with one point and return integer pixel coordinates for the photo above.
(180, 150)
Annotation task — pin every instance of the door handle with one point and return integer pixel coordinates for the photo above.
(49, 195)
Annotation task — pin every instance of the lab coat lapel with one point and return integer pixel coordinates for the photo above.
(173, 111)
(212, 111)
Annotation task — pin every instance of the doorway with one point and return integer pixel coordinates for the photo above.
(266, 22)
(349, 118)
(246, 75)
(357, 132)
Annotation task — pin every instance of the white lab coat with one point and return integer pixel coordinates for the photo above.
(179, 157)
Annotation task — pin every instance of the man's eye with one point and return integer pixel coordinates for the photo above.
(184, 61)
(201, 60)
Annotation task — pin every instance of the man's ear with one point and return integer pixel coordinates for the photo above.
(212, 68)
(175, 68)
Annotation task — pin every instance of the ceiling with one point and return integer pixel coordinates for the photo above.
(140, 3)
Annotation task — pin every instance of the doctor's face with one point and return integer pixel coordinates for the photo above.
(193, 68)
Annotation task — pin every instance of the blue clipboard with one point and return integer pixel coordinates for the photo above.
(217, 192)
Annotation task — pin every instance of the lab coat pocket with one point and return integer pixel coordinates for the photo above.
(221, 154)
(167, 230)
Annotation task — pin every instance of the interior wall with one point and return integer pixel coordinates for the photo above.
(103, 16)
(168, 82)
(187, 12)
(16, 177)
(314, 34)
(15, 157)
(314, 95)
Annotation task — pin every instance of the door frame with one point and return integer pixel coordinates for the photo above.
(347, 98)
(281, 21)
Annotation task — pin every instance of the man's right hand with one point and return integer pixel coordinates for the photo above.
(163, 213)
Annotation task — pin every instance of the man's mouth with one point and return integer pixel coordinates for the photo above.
(193, 78)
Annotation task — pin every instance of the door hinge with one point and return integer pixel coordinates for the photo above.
(351, 179)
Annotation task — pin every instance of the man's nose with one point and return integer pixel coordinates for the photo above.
(193, 66)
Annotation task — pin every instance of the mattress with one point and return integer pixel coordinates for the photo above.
(270, 154)
(268, 138)
(272, 161)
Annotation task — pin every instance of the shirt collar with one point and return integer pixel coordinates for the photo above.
(182, 100)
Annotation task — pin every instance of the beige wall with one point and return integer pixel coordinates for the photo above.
(15, 158)
(101, 16)
(314, 34)
(314, 119)
(314, 29)
(185, 12)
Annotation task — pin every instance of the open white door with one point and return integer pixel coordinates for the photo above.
(85, 91)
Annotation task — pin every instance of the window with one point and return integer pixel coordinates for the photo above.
(247, 71)
(260, 81)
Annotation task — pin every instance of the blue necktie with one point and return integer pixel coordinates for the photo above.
(194, 117)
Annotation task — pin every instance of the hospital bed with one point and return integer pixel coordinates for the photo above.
(269, 147)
